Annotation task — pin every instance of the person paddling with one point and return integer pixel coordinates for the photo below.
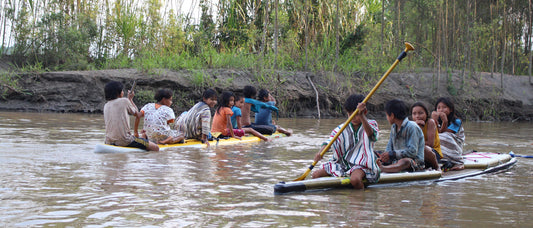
(353, 153)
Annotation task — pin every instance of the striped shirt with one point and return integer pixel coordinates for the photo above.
(353, 150)
(196, 122)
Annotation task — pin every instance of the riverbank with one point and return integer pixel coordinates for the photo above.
(479, 97)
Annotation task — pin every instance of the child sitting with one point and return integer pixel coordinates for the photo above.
(222, 119)
(432, 153)
(353, 155)
(451, 133)
(196, 123)
(405, 150)
(253, 105)
(237, 115)
(264, 116)
(157, 117)
(117, 122)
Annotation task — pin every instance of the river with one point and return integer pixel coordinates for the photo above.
(51, 177)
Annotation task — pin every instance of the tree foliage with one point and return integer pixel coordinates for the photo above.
(319, 35)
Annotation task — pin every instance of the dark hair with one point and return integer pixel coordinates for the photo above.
(420, 104)
(237, 96)
(396, 107)
(350, 105)
(209, 93)
(223, 100)
(448, 102)
(163, 93)
(249, 91)
(263, 93)
(112, 90)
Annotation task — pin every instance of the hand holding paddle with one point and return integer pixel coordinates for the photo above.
(408, 47)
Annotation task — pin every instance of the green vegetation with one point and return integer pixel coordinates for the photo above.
(313, 35)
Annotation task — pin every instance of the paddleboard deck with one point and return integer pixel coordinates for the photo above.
(476, 163)
(189, 143)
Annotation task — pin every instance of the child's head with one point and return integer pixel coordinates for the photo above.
(164, 96)
(249, 91)
(263, 95)
(239, 101)
(446, 106)
(419, 112)
(226, 99)
(396, 109)
(163, 93)
(350, 105)
(113, 90)
(210, 97)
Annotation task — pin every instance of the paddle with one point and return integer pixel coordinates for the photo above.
(519, 156)
(408, 47)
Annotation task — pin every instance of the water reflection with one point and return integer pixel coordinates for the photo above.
(51, 177)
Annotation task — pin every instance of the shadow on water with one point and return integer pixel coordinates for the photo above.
(51, 177)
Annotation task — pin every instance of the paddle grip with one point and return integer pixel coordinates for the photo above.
(402, 55)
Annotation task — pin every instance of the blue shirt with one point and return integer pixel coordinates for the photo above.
(264, 116)
(236, 112)
(455, 125)
(406, 143)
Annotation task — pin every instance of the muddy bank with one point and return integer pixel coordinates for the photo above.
(479, 97)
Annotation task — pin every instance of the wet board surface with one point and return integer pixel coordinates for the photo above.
(190, 143)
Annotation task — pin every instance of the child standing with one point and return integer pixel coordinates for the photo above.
(451, 133)
(196, 123)
(117, 121)
(222, 119)
(157, 117)
(432, 152)
(237, 115)
(264, 116)
(405, 150)
(353, 150)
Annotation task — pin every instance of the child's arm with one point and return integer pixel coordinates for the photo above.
(204, 139)
(239, 125)
(444, 119)
(366, 126)
(432, 128)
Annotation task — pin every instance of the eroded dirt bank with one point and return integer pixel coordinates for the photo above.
(479, 98)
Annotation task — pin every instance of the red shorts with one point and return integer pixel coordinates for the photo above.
(236, 132)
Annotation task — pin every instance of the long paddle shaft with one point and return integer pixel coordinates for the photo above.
(408, 47)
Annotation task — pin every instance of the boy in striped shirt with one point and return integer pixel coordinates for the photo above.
(353, 154)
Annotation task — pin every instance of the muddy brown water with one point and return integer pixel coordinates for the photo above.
(49, 176)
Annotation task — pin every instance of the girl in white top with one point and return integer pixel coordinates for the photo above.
(157, 119)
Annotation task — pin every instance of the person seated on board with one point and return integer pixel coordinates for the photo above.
(222, 119)
(432, 153)
(196, 123)
(405, 149)
(157, 117)
(353, 154)
(451, 134)
(253, 105)
(264, 116)
(117, 121)
(237, 115)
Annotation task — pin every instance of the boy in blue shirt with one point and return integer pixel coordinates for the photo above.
(264, 116)
(405, 150)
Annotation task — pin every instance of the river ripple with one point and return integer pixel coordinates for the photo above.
(51, 177)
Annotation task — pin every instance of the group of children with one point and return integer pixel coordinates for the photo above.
(413, 145)
(424, 141)
(228, 120)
